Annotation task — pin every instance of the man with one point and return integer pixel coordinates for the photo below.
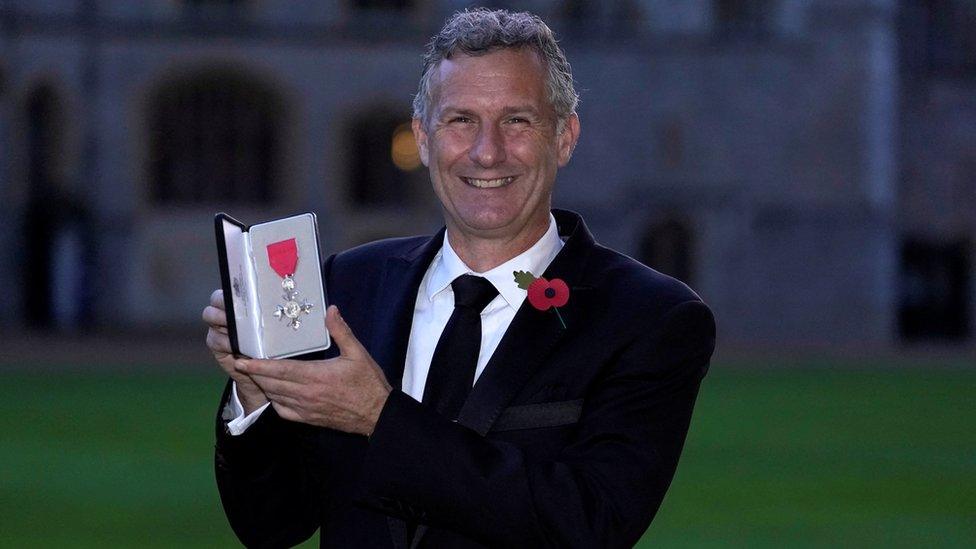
(572, 430)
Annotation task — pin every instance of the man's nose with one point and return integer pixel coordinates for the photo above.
(488, 148)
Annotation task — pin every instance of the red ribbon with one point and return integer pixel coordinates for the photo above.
(283, 256)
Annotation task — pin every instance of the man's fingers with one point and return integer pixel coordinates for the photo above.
(292, 370)
(215, 317)
(218, 342)
(217, 299)
(341, 333)
(284, 399)
(287, 387)
(285, 412)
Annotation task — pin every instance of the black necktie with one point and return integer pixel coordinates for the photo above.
(455, 358)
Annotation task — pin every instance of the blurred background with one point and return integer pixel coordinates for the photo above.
(808, 166)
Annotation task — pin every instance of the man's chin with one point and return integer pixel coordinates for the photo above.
(487, 224)
(495, 224)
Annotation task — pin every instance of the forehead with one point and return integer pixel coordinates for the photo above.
(496, 78)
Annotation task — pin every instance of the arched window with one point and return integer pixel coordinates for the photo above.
(215, 136)
(667, 247)
(44, 140)
(54, 220)
(383, 163)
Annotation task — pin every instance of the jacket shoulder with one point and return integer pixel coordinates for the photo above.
(371, 257)
(642, 304)
(623, 279)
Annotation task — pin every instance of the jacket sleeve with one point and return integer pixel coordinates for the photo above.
(269, 499)
(270, 494)
(601, 491)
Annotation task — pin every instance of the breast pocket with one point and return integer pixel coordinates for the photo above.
(539, 415)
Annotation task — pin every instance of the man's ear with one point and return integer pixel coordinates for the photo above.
(566, 141)
(420, 135)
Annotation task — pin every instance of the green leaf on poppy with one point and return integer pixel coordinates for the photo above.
(524, 279)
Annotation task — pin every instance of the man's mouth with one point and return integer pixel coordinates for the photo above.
(488, 183)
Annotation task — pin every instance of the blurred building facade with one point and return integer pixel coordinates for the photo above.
(808, 165)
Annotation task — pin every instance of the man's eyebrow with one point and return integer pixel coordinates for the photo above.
(523, 110)
(528, 109)
(448, 110)
(451, 110)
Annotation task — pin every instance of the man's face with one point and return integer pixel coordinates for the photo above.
(491, 145)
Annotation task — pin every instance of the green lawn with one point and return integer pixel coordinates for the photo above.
(816, 457)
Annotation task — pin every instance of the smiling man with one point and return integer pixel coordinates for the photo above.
(457, 412)
(493, 142)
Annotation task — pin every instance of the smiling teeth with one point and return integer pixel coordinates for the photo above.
(489, 183)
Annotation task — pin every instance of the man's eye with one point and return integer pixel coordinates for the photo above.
(518, 120)
(459, 120)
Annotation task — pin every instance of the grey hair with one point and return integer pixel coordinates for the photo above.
(481, 31)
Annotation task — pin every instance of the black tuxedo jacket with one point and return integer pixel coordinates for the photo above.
(569, 438)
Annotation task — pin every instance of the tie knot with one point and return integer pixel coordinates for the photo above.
(473, 291)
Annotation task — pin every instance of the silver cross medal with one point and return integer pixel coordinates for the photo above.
(292, 308)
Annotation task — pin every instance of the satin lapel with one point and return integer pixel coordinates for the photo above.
(530, 338)
(395, 301)
(532, 334)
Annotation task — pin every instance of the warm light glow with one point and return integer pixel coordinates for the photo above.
(403, 149)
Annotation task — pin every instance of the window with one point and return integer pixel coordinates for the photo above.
(44, 119)
(934, 292)
(667, 247)
(384, 165)
(215, 136)
(46, 203)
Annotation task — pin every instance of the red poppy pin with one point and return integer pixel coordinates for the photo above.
(544, 294)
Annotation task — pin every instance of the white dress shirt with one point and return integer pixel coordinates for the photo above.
(434, 306)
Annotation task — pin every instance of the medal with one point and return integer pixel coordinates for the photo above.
(283, 258)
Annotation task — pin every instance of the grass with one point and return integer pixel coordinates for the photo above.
(775, 457)
(827, 458)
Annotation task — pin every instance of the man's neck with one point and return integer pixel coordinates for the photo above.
(484, 254)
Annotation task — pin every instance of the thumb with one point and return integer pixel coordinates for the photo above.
(342, 335)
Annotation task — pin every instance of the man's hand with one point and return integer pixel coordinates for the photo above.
(252, 397)
(345, 393)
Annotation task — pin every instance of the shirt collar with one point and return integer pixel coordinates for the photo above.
(448, 266)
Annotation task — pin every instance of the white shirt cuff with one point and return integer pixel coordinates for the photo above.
(240, 423)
